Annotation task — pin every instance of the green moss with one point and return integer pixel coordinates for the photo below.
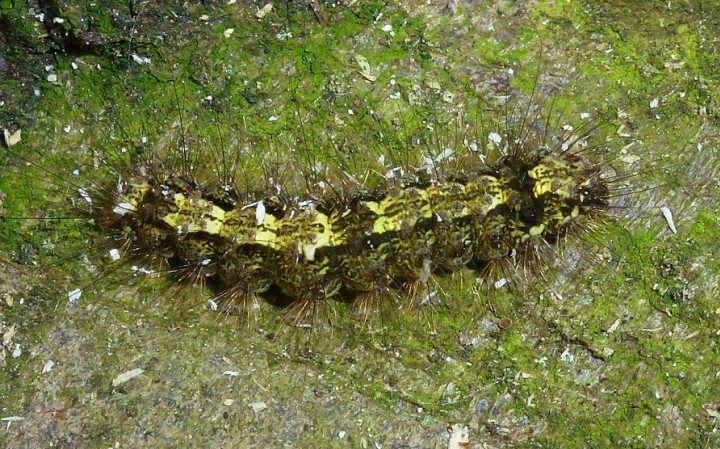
(18, 24)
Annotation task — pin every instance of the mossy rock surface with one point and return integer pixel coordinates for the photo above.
(616, 347)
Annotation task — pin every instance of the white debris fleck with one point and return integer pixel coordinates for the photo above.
(390, 174)
(84, 195)
(67, 128)
(630, 159)
(258, 406)
(141, 60)
(654, 103)
(141, 270)
(12, 418)
(459, 436)
(114, 254)
(264, 11)
(48, 366)
(228, 402)
(428, 163)
(17, 352)
(273, 118)
(500, 283)
(260, 213)
(123, 208)
(11, 138)
(127, 375)
(713, 413)
(228, 32)
(58, 20)
(342, 434)
(309, 251)
(387, 28)
(494, 137)
(213, 305)
(8, 335)
(567, 356)
(231, 373)
(365, 70)
(667, 213)
(444, 155)
(614, 326)
(74, 295)
(584, 115)
(52, 78)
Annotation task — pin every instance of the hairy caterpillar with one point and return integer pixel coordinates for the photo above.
(498, 198)
(307, 221)
(531, 191)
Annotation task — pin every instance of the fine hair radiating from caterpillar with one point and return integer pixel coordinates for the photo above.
(494, 199)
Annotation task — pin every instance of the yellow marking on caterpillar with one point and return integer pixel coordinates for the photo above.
(195, 215)
(326, 238)
(128, 200)
(554, 176)
(266, 232)
(486, 199)
(241, 226)
(391, 216)
(382, 223)
(568, 218)
(543, 182)
(536, 230)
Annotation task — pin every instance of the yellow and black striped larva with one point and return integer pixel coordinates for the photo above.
(499, 201)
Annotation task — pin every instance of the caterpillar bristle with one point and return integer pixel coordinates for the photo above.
(367, 305)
